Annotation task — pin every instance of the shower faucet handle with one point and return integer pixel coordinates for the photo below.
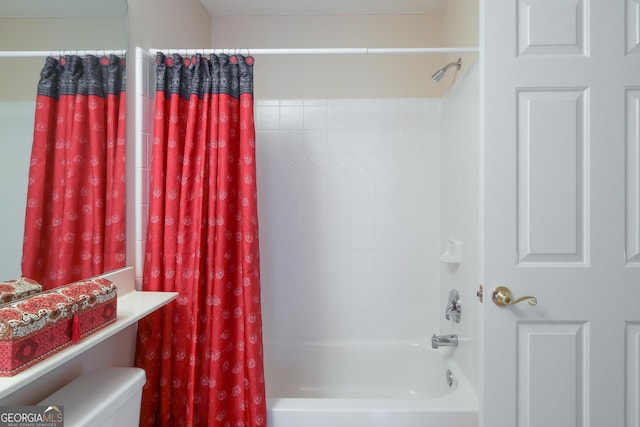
(454, 306)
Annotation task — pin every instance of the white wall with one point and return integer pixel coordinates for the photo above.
(338, 76)
(16, 122)
(349, 194)
(152, 24)
(460, 214)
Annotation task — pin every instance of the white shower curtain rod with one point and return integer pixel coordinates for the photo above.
(41, 53)
(323, 51)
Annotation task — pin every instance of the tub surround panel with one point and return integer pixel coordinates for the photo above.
(374, 383)
(145, 106)
(460, 213)
(349, 217)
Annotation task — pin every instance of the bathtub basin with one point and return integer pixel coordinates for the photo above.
(365, 383)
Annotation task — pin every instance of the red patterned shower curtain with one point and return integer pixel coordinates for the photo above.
(203, 352)
(75, 214)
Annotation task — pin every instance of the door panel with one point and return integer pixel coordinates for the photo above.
(551, 194)
(552, 27)
(633, 177)
(632, 13)
(552, 353)
(561, 212)
(632, 386)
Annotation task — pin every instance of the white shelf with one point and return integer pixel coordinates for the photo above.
(132, 306)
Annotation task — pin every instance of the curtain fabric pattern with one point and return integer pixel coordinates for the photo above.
(75, 213)
(203, 352)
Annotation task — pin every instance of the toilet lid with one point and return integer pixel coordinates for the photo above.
(91, 398)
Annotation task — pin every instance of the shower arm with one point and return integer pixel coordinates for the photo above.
(438, 75)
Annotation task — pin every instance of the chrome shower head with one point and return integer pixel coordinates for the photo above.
(438, 75)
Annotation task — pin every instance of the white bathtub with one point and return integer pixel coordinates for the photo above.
(365, 384)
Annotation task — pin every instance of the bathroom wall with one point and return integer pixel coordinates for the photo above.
(145, 100)
(152, 24)
(460, 23)
(352, 76)
(337, 76)
(335, 305)
(349, 213)
(461, 27)
(460, 214)
(349, 205)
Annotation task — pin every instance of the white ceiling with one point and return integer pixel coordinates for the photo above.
(322, 7)
(61, 8)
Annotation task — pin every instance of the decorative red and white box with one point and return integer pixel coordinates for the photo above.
(41, 325)
(13, 290)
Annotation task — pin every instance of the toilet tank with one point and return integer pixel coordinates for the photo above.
(105, 398)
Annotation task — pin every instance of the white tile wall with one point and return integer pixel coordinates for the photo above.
(349, 205)
(460, 190)
(145, 99)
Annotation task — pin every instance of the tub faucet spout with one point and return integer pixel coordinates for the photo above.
(438, 341)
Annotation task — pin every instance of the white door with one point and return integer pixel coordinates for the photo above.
(561, 221)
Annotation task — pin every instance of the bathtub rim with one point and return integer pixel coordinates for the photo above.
(462, 399)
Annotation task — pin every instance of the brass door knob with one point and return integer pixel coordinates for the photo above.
(502, 297)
